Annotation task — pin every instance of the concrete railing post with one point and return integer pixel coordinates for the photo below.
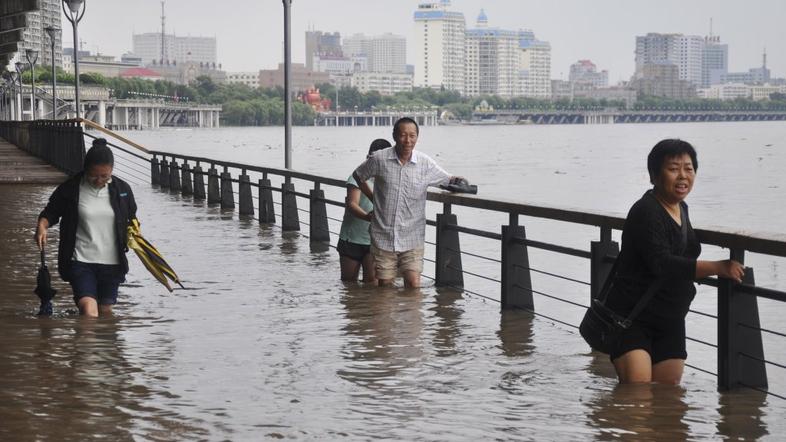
(199, 183)
(174, 176)
(600, 266)
(448, 268)
(246, 201)
(318, 222)
(187, 188)
(155, 171)
(213, 189)
(164, 176)
(516, 279)
(227, 194)
(289, 216)
(267, 212)
(736, 340)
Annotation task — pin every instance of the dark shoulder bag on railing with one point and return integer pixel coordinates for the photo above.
(601, 327)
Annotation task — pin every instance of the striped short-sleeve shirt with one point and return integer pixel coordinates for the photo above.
(400, 190)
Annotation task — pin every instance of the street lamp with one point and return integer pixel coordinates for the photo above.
(32, 57)
(73, 15)
(53, 33)
(20, 67)
(10, 77)
(287, 85)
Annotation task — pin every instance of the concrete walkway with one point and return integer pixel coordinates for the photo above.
(19, 167)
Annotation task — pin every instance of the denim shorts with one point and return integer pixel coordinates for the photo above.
(97, 281)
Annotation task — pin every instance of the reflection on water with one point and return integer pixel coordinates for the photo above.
(641, 412)
(266, 342)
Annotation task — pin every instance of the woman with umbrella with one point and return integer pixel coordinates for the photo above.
(95, 209)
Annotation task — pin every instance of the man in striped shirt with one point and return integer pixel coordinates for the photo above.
(398, 222)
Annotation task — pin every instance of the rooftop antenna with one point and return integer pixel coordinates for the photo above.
(163, 28)
(764, 59)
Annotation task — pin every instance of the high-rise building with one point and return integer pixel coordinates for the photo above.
(322, 44)
(585, 72)
(663, 80)
(34, 36)
(491, 66)
(714, 62)
(534, 66)
(384, 53)
(439, 41)
(147, 46)
(684, 51)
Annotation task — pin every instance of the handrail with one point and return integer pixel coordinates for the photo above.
(100, 128)
(758, 242)
(261, 169)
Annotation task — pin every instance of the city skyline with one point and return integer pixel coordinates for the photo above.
(604, 32)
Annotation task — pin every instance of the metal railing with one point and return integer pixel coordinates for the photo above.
(58, 142)
(740, 359)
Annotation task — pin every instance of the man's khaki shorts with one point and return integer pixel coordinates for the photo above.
(391, 264)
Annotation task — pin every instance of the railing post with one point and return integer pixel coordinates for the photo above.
(516, 280)
(448, 268)
(155, 171)
(187, 188)
(736, 308)
(246, 202)
(599, 265)
(267, 212)
(227, 195)
(164, 176)
(199, 183)
(317, 216)
(174, 176)
(289, 216)
(213, 190)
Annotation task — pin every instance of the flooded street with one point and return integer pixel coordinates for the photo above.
(266, 342)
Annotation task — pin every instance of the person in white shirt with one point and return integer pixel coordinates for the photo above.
(401, 176)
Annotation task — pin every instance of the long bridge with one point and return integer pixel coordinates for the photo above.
(100, 107)
(260, 233)
(514, 116)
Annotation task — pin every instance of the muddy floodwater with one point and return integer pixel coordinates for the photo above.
(265, 342)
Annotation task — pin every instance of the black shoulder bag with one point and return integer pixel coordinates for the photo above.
(601, 327)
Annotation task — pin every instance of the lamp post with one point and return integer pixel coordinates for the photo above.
(32, 57)
(20, 67)
(74, 16)
(10, 77)
(287, 86)
(53, 33)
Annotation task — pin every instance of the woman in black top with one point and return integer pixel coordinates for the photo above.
(94, 209)
(653, 249)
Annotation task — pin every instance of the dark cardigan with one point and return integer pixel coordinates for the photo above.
(64, 206)
(652, 248)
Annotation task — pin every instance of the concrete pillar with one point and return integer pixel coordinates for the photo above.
(102, 113)
(125, 118)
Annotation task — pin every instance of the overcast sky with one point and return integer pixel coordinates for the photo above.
(250, 32)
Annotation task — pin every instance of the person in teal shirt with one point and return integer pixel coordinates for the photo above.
(354, 240)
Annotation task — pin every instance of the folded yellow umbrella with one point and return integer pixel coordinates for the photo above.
(150, 256)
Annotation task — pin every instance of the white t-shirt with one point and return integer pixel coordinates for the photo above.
(95, 233)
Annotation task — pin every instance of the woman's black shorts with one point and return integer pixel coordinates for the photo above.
(660, 337)
(352, 250)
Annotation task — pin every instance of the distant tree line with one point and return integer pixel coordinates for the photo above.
(245, 106)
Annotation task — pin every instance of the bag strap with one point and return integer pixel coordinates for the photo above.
(43, 259)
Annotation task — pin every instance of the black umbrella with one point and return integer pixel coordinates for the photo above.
(44, 288)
